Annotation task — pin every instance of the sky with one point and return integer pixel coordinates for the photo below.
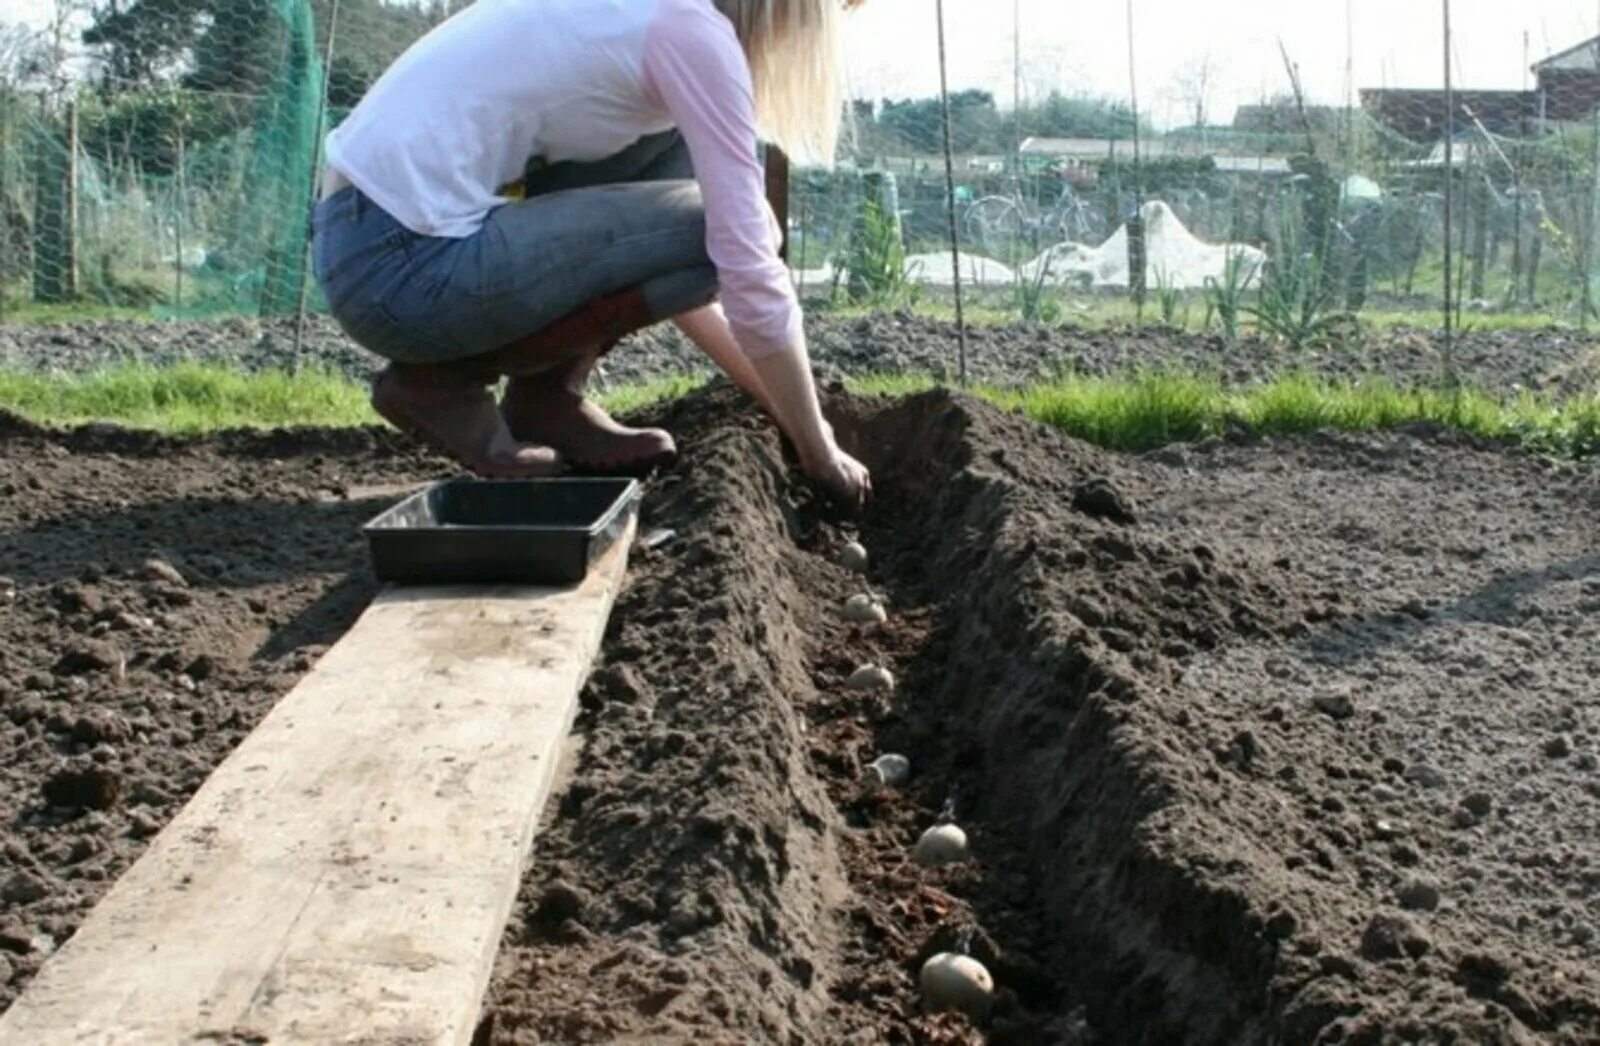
(1081, 46)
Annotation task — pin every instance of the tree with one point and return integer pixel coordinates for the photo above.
(1192, 87)
(41, 59)
(237, 46)
(919, 123)
(1064, 116)
(146, 42)
(24, 57)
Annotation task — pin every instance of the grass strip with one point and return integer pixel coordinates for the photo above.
(1154, 409)
(195, 398)
(1135, 413)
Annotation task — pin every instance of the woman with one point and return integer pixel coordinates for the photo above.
(628, 131)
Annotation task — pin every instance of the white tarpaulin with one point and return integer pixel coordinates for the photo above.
(932, 269)
(935, 269)
(1174, 257)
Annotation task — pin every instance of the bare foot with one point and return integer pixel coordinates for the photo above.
(457, 415)
(545, 410)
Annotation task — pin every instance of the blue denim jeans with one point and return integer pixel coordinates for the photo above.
(580, 232)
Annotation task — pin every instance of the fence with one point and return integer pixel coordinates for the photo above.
(171, 171)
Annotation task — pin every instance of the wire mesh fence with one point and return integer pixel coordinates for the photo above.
(164, 163)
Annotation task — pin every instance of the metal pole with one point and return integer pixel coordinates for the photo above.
(316, 182)
(1449, 200)
(1594, 226)
(1349, 86)
(177, 222)
(1136, 245)
(950, 199)
(1016, 84)
(1515, 296)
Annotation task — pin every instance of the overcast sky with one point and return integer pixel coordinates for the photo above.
(1082, 45)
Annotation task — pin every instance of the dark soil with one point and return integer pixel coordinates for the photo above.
(1502, 361)
(157, 599)
(1256, 742)
(1209, 717)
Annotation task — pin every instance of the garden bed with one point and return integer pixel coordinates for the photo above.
(1221, 756)
(1255, 740)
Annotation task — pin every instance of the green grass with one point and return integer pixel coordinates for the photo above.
(192, 398)
(1156, 409)
(1135, 413)
(186, 398)
(30, 312)
(628, 398)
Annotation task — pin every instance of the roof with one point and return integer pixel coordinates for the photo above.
(1583, 57)
(1157, 149)
(1251, 164)
(1093, 148)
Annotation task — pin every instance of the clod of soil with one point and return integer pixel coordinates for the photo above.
(941, 845)
(84, 785)
(957, 983)
(871, 677)
(1558, 747)
(854, 557)
(1099, 498)
(863, 609)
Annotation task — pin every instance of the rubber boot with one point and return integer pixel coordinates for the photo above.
(457, 415)
(550, 409)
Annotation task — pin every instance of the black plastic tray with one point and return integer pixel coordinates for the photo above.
(537, 532)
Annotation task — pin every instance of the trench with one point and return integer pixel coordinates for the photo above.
(716, 868)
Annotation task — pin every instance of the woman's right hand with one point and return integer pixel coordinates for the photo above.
(786, 379)
(844, 478)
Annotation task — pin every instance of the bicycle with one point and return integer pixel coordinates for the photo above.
(997, 222)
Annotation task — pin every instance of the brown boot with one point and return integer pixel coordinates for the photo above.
(456, 415)
(550, 409)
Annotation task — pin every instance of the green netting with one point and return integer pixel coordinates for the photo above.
(274, 211)
(188, 190)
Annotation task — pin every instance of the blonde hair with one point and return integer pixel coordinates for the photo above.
(793, 50)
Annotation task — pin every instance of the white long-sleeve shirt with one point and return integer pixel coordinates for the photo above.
(465, 108)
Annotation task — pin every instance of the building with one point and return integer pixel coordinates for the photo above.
(1422, 115)
(1569, 83)
(1567, 88)
(1091, 152)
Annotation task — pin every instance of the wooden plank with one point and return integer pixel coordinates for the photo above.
(345, 875)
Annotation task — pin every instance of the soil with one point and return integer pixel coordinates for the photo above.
(1220, 722)
(1255, 741)
(1557, 360)
(157, 599)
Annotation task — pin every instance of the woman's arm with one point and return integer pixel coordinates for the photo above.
(834, 469)
(694, 63)
(708, 328)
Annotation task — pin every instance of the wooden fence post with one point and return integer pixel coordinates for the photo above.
(778, 194)
(1480, 237)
